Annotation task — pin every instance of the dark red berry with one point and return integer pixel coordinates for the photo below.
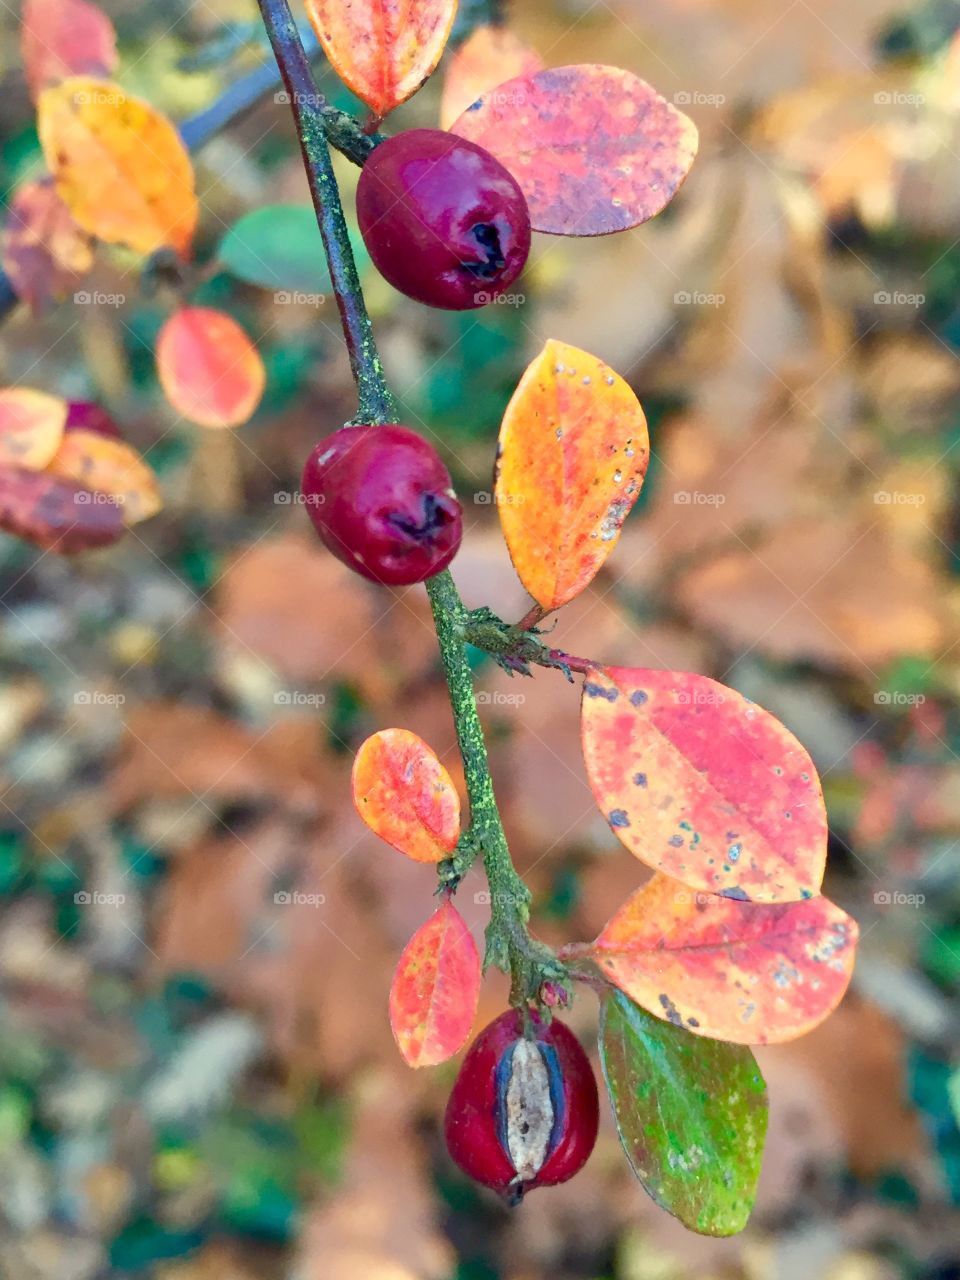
(524, 1110)
(443, 220)
(383, 503)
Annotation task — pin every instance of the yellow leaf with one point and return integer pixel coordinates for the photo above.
(573, 454)
(120, 166)
(111, 471)
(31, 427)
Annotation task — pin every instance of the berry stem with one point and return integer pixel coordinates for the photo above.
(509, 945)
(310, 111)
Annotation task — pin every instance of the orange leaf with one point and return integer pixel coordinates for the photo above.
(119, 165)
(573, 454)
(750, 973)
(209, 369)
(486, 59)
(31, 427)
(435, 990)
(61, 38)
(53, 513)
(111, 470)
(700, 783)
(382, 49)
(404, 794)
(43, 251)
(594, 148)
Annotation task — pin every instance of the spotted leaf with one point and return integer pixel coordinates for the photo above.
(750, 973)
(594, 148)
(573, 455)
(487, 58)
(704, 785)
(55, 514)
(111, 470)
(31, 427)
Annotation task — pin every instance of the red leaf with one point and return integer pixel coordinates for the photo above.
(43, 250)
(749, 973)
(436, 988)
(61, 38)
(55, 514)
(488, 57)
(209, 369)
(700, 783)
(594, 148)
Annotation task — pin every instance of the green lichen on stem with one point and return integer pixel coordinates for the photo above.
(508, 943)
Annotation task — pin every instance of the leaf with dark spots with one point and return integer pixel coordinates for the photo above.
(594, 148)
(746, 972)
(711, 763)
(691, 1115)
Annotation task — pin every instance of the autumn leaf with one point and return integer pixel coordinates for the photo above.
(209, 369)
(119, 165)
(573, 454)
(382, 49)
(488, 57)
(55, 514)
(31, 427)
(594, 148)
(61, 38)
(111, 470)
(691, 1115)
(43, 251)
(436, 988)
(702, 784)
(749, 973)
(404, 794)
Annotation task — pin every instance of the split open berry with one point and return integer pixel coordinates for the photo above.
(443, 220)
(523, 1112)
(383, 503)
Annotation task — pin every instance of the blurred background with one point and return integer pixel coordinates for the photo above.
(197, 1077)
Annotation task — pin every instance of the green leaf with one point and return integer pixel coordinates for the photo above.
(279, 247)
(691, 1114)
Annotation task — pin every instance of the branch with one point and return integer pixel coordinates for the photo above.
(311, 112)
(509, 945)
